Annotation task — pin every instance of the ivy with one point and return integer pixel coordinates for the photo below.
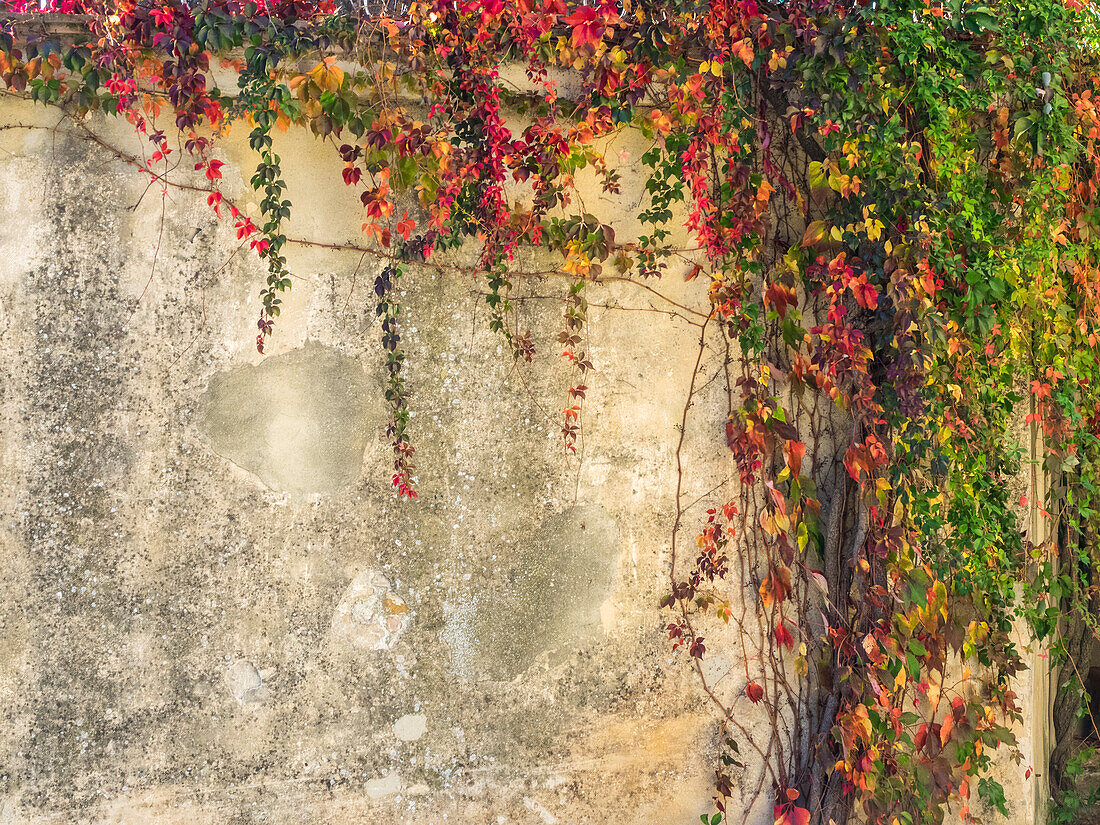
(389, 310)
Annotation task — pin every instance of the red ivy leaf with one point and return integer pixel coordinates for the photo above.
(352, 174)
(796, 451)
(783, 636)
(588, 28)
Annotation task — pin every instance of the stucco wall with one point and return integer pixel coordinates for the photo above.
(213, 607)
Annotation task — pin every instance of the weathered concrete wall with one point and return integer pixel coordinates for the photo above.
(212, 607)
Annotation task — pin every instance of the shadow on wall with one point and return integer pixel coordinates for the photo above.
(549, 599)
(299, 421)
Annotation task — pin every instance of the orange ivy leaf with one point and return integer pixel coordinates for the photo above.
(776, 586)
(405, 226)
(796, 451)
(327, 74)
(790, 814)
(743, 49)
(865, 294)
(945, 729)
(780, 296)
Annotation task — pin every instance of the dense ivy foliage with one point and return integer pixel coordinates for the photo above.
(894, 206)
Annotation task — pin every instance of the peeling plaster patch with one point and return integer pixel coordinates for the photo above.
(369, 615)
(540, 809)
(608, 615)
(410, 727)
(299, 421)
(243, 680)
(383, 786)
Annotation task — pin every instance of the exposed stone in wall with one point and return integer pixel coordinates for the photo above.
(370, 615)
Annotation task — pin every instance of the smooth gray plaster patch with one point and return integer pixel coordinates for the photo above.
(299, 421)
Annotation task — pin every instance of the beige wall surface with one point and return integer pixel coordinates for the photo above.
(213, 608)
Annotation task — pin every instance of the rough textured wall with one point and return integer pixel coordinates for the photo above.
(214, 609)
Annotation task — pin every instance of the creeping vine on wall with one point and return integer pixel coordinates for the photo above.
(893, 214)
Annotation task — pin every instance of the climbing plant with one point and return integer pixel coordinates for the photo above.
(892, 208)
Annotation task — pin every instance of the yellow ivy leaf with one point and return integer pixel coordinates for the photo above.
(814, 234)
(327, 74)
